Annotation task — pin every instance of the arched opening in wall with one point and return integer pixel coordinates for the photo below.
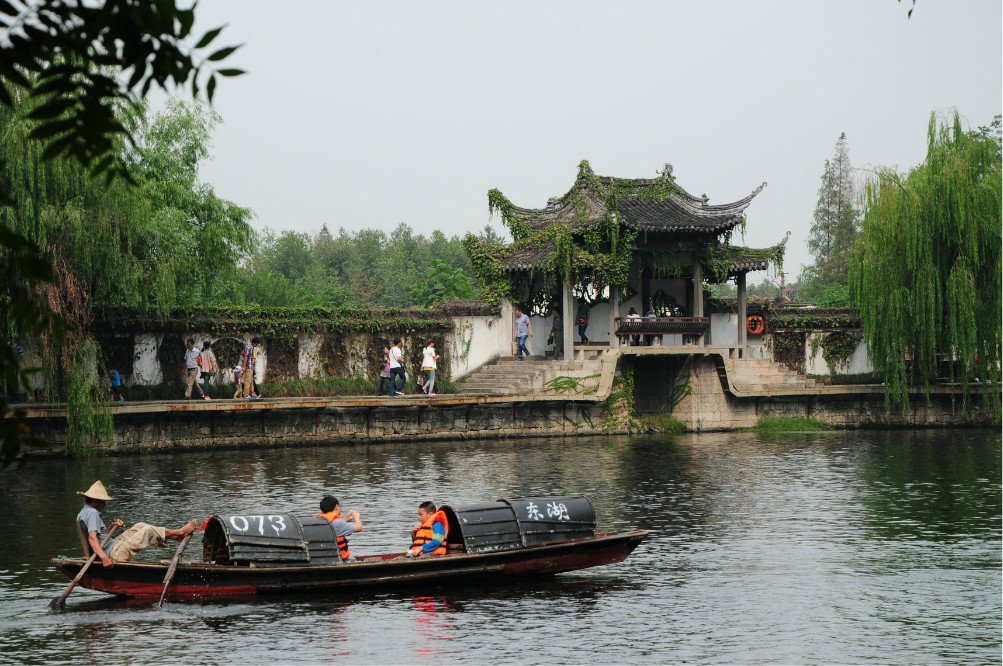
(227, 351)
(116, 352)
(171, 357)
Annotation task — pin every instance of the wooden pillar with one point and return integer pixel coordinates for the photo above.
(644, 278)
(698, 295)
(614, 312)
(741, 314)
(568, 319)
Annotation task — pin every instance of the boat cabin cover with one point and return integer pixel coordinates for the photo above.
(508, 524)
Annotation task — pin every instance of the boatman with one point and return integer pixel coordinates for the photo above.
(429, 536)
(133, 540)
(330, 510)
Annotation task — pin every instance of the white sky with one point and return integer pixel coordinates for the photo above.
(369, 114)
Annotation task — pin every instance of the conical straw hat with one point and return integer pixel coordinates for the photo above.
(96, 491)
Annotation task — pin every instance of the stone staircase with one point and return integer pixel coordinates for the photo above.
(510, 377)
(756, 374)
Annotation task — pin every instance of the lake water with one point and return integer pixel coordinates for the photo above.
(870, 546)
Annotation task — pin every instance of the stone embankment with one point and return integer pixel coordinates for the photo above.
(512, 399)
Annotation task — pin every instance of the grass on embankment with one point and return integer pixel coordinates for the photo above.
(295, 388)
(662, 423)
(792, 424)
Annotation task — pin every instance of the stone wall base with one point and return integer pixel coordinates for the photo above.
(167, 431)
(709, 408)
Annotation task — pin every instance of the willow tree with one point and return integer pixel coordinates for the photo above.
(926, 272)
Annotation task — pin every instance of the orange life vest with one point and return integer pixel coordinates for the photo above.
(425, 534)
(330, 517)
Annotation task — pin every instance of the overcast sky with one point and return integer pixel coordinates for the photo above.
(369, 114)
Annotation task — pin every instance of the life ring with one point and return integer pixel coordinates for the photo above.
(755, 324)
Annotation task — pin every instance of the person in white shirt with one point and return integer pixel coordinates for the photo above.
(428, 366)
(396, 369)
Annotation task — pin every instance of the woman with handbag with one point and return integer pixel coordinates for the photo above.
(207, 364)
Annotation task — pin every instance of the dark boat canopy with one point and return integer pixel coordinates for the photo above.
(270, 540)
(277, 540)
(511, 524)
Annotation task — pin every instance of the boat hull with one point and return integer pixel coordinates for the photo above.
(196, 581)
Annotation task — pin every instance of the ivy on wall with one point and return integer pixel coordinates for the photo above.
(838, 347)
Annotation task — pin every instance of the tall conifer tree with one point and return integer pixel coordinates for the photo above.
(835, 226)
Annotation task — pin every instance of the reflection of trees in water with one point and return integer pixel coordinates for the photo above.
(932, 484)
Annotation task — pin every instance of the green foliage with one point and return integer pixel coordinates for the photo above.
(71, 77)
(576, 385)
(812, 319)
(618, 410)
(78, 63)
(88, 419)
(926, 273)
(838, 347)
(835, 227)
(364, 268)
(663, 423)
(792, 424)
(485, 261)
(441, 284)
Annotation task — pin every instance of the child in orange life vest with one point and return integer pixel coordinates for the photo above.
(330, 510)
(429, 536)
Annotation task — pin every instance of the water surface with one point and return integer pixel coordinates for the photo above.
(837, 547)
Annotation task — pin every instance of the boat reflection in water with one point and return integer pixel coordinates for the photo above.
(246, 555)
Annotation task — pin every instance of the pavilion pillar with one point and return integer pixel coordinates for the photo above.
(741, 314)
(698, 295)
(614, 312)
(568, 320)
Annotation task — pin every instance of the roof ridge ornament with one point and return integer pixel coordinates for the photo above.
(759, 189)
(666, 171)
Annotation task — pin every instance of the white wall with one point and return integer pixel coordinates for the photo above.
(815, 364)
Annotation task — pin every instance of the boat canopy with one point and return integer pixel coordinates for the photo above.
(511, 524)
(270, 540)
(276, 540)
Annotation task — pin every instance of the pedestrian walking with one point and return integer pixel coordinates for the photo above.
(248, 358)
(557, 334)
(238, 380)
(385, 376)
(207, 364)
(192, 370)
(582, 320)
(116, 385)
(428, 366)
(523, 330)
(397, 369)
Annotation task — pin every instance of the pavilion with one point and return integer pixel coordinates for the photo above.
(646, 243)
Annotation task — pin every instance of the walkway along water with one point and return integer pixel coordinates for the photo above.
(717, 401)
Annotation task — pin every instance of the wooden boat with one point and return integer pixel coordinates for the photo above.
(251, 554)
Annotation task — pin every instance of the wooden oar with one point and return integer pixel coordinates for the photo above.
(173, 567)
(60, 602)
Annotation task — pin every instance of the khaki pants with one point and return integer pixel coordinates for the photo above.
(239, 393)
(193, 376)
(135, 539)
(248, 383)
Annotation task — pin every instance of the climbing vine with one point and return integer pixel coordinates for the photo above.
(618, 410)
(838, 347)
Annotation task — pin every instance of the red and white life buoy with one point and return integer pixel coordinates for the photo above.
(755, 324)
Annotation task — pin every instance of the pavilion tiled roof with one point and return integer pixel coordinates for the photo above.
(736, 259)
(650, 204)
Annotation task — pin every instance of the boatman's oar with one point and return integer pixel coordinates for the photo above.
(60, 602)
(174, 565)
